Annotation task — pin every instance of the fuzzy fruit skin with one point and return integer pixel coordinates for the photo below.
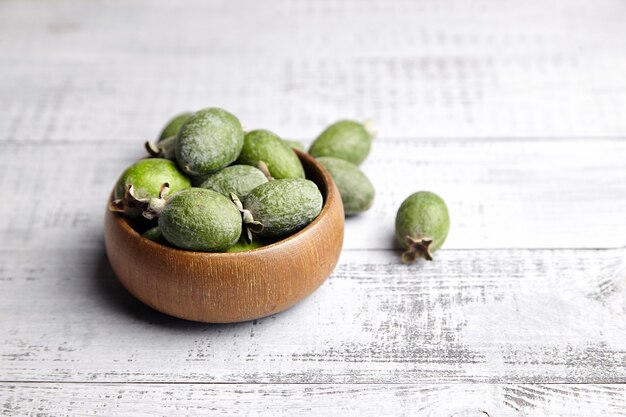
(423, 214)
(242, 245)
(357, 192)
(200, 220)
(284, 206)
(263, 145)
(173, 126)
(237, 179)
(346, 139)
(208, 141)
(148, 175)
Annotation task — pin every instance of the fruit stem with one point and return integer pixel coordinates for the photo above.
(417, 247)
(153, 149)
(165, 148)
(129, 204)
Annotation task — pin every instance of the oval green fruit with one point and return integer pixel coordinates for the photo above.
(200, 220)
(243, 245)
(346, 139)
(283, 207)
(142, 182)
(357, 192)
(208, 141)
(263, 145)
(422, 225)
(237, 179)
(173, 126)
(148, 175)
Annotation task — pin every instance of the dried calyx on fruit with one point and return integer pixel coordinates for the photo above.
(251, 225)
(142, 182)
(422, 225)
(134, 206)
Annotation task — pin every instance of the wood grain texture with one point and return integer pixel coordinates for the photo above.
(501, 316)
(513, 111)
(230, 287)
(94, 70)
(514, 194)
(461, 400)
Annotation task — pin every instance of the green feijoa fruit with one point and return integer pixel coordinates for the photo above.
(263, 145)
(243, 245)
(208, 141)
(346, 139)
(282, 207)
(201, 220)
(143, 181)
(154, 234)
(238, 179)
(148, 175)
(173, 126)
(294, 144)
(422, 225)
(357, 192)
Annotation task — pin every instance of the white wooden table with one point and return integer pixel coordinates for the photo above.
(515, 112)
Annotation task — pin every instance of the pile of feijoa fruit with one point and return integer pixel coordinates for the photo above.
(209, 186)
(212, 187)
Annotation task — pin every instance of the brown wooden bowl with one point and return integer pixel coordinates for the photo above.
(230, 287)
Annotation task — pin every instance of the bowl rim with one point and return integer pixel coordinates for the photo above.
(331, 196)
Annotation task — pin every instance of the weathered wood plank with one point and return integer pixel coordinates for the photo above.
(92, 70)
(469, 400)
(488, 316)
(74, 74)
(519, 194)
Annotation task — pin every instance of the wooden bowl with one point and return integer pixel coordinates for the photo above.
(230, 287)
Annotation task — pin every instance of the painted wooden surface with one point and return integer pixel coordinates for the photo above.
(488, 316)
(516, 194)
(95, 70)
(513, 111)
(459, 400)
